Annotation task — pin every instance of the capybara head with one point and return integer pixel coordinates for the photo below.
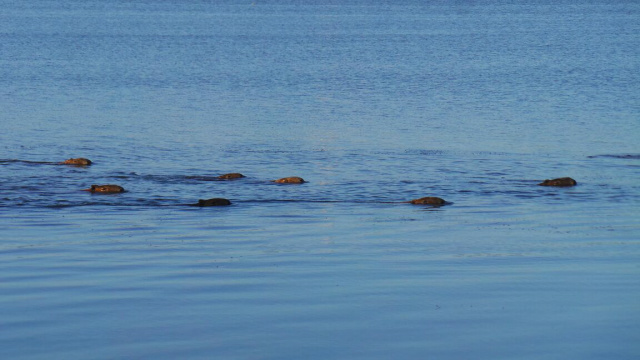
(105, 189)
(429, 200)
(290, 180)
(565, 181)
(213, 202)
(77, 162)
(231, 176)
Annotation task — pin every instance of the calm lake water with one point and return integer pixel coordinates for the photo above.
(372, 102)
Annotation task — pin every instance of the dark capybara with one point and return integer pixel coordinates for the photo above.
(105, 189)
(429, 200)
(565, 181)
(231, 176)
(213, 202)
(77, 162)
(290, 180)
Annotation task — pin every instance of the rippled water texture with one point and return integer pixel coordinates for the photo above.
(373, 104)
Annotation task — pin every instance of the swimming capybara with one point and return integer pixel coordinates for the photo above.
(290, 180)
(105, 189)
(213, 202)
(77, 162)
(565, 181)
(429, 200)
(230, 176)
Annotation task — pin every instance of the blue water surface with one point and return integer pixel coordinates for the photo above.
(374, 103)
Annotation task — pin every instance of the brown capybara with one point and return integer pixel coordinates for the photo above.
(230, 176)
(77, 162)
(213, 202)
(429, 200)
(105, 189)
(565, 181)
(290, 180)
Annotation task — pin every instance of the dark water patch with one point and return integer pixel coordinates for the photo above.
(187, 178)
(102, 200)
(179, 179)
(272, 201)
(270, 151)
(16, 161)
(113, 200)
(36, 190)
(617, 156)
(320, 201)
(64, 205)
(124, 176)
(430, 208)
(203, 178)
(460, 153)
(426, 152)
